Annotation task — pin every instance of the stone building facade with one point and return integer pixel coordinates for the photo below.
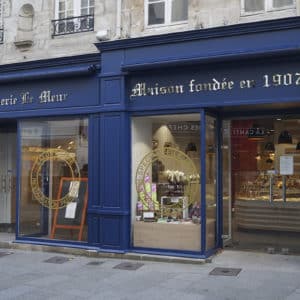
(28, 30)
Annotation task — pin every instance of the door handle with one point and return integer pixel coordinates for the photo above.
(9, 184)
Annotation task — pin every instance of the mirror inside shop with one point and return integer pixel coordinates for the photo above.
(166, 182)
(262, 195)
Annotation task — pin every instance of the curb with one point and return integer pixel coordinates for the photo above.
(99, 254)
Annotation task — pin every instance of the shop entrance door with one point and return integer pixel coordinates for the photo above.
(8, 178)
(261, 184)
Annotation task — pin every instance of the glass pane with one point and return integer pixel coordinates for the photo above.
(166, 176)
(266, 183)
(84, 3)
(254, 5)
(54, 179)
(156, 13)
(69, 4)
(61, 15)
(211, 182)
(282, 3)
(84, 11)
(179, 10)
(62, 6)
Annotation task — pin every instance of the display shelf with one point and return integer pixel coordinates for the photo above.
(264, 215)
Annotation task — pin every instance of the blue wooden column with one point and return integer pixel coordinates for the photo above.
(109, 162)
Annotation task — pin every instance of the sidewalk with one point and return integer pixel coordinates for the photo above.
(49, 275)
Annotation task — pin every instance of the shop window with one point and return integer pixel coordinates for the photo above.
(166, 12)
(261, 6)
(73, 16)
(54, 179)
(166, 182)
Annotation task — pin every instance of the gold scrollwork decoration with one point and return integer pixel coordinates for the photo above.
(52, 155)
(171, 158)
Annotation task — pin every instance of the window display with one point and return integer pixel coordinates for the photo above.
(166, 182)
(54, 179)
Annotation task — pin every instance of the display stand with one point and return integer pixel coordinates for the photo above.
(60, 221)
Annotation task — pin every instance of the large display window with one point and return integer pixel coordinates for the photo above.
(166, 182)
(54, 179)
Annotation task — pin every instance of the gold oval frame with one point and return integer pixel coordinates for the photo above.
(52, 155)
(161, 154)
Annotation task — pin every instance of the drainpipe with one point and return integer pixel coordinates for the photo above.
(118, 19)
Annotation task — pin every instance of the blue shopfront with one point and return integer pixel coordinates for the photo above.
(213, 118)
(177, 144)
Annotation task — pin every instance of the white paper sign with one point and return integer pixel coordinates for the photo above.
(71, 210)
(148, 214)
(286, 165)
(74, 189)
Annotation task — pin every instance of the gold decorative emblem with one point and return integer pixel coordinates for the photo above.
(178, 170)
(36, 175)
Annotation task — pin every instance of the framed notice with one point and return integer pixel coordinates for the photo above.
(286, 165)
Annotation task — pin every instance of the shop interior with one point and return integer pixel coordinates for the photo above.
(262, 196)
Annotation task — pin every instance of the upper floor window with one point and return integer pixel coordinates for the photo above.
(73, 16)
(257, 6)
(166, 12)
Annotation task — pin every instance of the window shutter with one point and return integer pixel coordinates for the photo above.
(254, 5)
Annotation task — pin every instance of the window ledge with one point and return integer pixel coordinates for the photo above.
(165, 28)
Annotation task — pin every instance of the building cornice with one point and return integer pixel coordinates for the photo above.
(60, 62)
(200, 34)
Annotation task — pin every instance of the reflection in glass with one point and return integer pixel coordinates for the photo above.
(54, 179)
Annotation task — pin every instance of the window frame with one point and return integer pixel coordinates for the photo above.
(76, 8)
(167, 15)
(268, 4)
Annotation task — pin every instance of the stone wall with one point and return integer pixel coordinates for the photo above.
(27, 35)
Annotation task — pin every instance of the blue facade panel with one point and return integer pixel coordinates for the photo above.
(109, 204)
(216, 85)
